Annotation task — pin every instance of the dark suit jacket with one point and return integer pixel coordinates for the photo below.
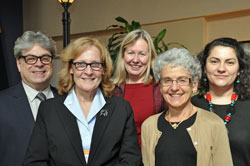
(16, 124)
(56, 139)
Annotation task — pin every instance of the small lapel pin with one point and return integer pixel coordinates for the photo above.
(104, 112)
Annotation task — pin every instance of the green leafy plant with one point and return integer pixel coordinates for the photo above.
(115, 40)
(160, 45)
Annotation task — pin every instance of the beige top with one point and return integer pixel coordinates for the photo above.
(208, 134)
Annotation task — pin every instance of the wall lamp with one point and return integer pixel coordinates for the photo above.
(66, 21)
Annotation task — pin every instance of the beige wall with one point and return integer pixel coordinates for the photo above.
(96, 15)
(187, 32)
(192, 23)
(93, 15)
(235, 25)
(200, 23)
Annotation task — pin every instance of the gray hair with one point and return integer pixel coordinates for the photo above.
(178, 57)
(30, 38)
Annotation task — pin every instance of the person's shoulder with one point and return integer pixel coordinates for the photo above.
(59, 99)
(10, 90)
(199, 101)
(120, 106)
(152, 119)
(54, 91)
(118, 102)
(50, 106)
(209, 117)
(116, 99)
(197, 98)
(5, 95)
(246, 101)
(5, 91)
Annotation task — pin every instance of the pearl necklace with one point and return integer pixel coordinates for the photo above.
(230, 109)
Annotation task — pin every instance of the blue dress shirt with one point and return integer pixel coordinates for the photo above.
(85, 125)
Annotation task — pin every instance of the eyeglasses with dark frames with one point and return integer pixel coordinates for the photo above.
(32, 59)
(96, 66)
(183, 81)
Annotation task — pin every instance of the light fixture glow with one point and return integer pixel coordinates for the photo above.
(65, 1)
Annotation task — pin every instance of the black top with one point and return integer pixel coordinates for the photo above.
(175, 147)
(238, 128)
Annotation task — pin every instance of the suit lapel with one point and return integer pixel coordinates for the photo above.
(54, 91)
(21, 101)
(102, 121)
(69, 123)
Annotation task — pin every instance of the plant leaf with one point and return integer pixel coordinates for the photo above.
(156, 46)
(115, 54)
(117, 34)
(122, 20)
(116, 44)
(176, 43)
(165, 46)
(112, 26)
(135, 25)
(115, 27)
(128, 28)
(112, 53)
(160, 36)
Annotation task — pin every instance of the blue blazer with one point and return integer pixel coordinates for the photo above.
(56, 140)
(16, 125)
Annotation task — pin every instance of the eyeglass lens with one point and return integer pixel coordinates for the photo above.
(32, 59)
(83, 65)
(180, 81)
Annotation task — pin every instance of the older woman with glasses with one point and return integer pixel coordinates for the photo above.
(184, 134)
(86, 125)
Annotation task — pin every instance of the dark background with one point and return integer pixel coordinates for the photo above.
(11, 24)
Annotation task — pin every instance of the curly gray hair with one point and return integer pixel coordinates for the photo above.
(29, 38)
(178, 57)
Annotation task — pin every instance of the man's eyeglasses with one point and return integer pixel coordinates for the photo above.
(96, 66)
(32, 59)
(183, 81)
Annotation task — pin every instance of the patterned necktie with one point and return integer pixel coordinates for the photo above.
(41, 96)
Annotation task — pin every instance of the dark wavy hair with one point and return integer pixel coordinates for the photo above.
(242, 89)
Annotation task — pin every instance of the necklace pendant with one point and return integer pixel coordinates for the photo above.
(175, 125)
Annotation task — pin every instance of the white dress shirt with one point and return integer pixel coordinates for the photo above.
(33, 101)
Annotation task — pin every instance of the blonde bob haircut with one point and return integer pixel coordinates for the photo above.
(120, 73)
(73, 51)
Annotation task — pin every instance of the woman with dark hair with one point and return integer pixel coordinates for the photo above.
(225, 90)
